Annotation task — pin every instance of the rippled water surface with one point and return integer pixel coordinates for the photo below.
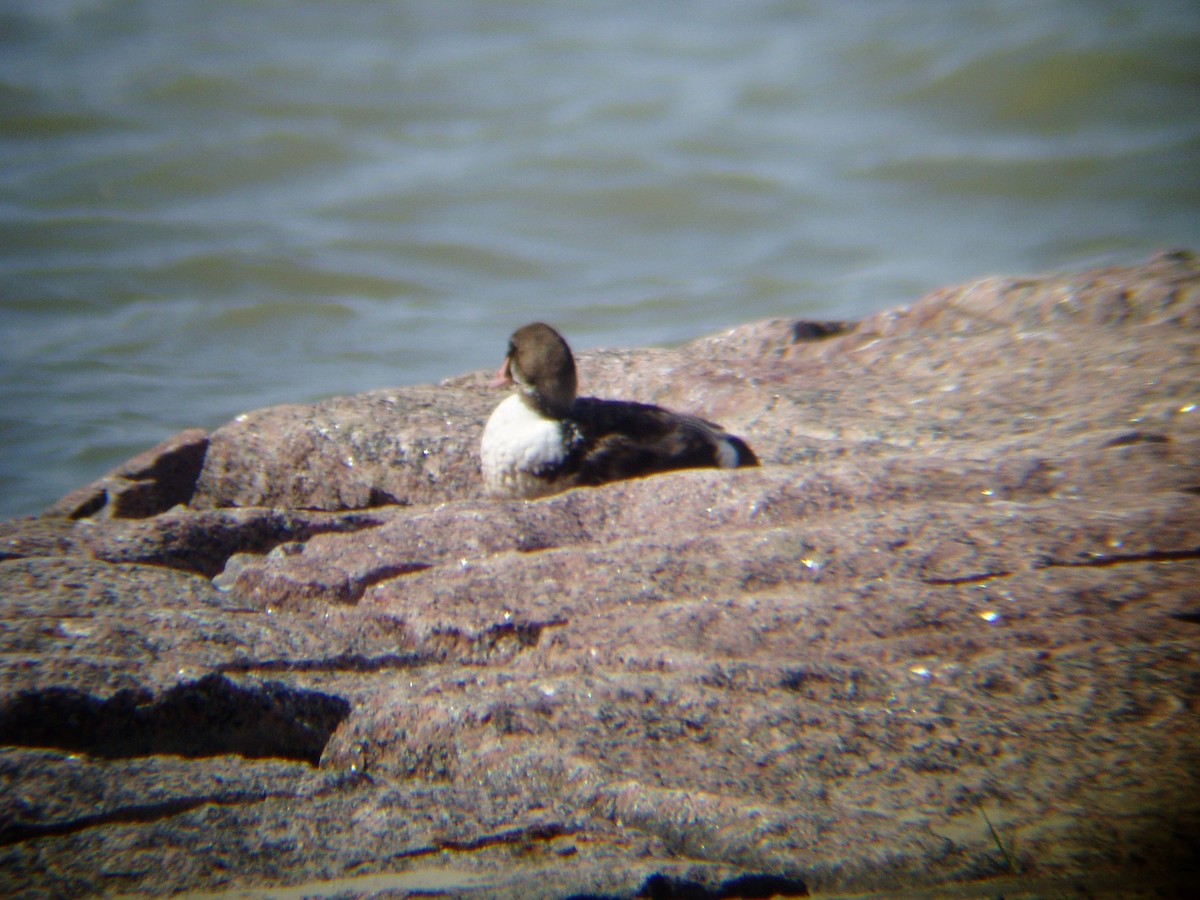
(211, 207)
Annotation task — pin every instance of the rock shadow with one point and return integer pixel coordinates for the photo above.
(213, 716)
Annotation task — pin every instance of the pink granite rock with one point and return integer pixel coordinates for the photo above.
(947, 634)
(150, 483)
(404, 447)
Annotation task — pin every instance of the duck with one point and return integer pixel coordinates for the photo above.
(543, 439)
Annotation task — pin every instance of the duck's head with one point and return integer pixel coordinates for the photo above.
(540, 364)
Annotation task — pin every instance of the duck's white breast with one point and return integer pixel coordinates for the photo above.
(521, 450)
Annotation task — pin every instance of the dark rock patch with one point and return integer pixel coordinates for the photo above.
(815, 331)
(210, 717)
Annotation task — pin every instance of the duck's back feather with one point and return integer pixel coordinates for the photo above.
(621, 439)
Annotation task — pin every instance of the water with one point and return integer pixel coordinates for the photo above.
(211, 207)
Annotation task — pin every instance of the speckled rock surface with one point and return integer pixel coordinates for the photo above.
(948, 635)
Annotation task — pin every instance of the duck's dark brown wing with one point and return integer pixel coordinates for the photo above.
(619, 439)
